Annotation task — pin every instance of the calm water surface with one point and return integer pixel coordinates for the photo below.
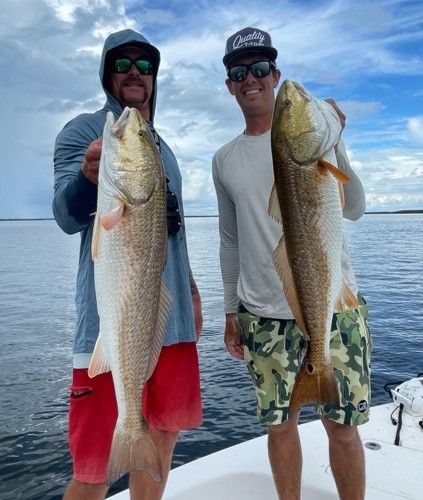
(37, 272)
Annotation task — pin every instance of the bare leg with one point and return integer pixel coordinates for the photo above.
(346, 456)
(142, 486)
(286, 458)
(84, 491)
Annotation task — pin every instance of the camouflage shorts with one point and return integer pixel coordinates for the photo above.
(273, 350)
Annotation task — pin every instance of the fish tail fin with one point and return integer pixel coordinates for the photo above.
(130, 453)
(318, 388)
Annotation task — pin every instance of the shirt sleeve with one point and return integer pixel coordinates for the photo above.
(75, 197)
(228, 252)
(355, 198)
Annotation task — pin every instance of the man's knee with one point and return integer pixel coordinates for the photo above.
(340, 432)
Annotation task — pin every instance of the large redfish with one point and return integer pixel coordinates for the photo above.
(308, 200)
(129, 250)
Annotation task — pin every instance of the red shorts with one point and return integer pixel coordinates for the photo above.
(171, 402)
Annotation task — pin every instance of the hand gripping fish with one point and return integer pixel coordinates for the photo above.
(307, 199)
(129, 249)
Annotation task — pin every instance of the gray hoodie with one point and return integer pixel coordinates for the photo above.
(75, 200)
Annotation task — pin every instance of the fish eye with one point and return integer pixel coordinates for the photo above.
(140, 134)
(287, 103)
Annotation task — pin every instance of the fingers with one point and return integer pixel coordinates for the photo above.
(236, 351)
(91, 161)
(233, 340)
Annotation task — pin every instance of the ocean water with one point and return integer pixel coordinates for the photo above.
(38, 266)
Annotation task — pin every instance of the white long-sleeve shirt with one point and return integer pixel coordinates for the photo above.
(243, 178)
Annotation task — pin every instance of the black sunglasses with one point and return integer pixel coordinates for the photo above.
(123, 65)
(258, 69)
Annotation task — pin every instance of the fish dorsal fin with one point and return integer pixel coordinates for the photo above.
(99, 362)
(165, 306)
(280, 260)
(346, 298)
(339, 175)
(274, 206)
(110, 220)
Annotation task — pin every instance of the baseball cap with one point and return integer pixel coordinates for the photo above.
(247, 40)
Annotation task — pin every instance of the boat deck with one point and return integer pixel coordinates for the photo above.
(242, 472)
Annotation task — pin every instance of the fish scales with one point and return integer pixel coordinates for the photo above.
(129, 249)
(307, 201)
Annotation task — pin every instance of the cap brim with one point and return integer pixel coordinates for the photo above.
(271, 52)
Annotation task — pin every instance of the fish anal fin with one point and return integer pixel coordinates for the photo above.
(311, 387)
(346, 298)
(339, 175)
(110, 220)
(99, 362)
(274, 206)
(165, 306)
(281, 262)
(129, 453)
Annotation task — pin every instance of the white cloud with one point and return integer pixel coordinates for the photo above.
(415, 127)
(365, 55)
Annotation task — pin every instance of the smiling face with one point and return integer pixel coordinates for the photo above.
(255, 96)
(132, 88)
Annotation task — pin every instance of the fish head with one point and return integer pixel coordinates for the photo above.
(306, 127)
(130, 165)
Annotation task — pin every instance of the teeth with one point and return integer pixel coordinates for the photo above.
(253, 91)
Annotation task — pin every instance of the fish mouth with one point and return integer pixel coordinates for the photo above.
(302, 91)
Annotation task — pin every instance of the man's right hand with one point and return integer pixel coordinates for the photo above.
(91, 161)
(233, 336)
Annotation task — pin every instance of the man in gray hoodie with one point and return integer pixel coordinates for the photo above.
(171, 398)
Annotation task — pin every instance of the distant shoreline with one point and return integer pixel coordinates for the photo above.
(397, 212)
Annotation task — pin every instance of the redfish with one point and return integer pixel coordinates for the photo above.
(129, 249)
(307, 199)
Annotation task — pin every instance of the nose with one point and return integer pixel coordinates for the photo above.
(249, 75)
(133, 70)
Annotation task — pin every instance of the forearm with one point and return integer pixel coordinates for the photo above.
(229, 264)
(193, 285)
(74, 203)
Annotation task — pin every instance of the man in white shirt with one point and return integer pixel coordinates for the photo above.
(257, 312)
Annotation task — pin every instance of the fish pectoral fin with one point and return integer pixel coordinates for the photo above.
(283, 268)
(165, 306)
(110, 220)
(346, 298)
(99, 362)
(274, 206)
(339, 175)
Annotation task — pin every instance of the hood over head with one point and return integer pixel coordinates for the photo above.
(129, 38)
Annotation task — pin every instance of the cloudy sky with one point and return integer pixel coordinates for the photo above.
(367, 55)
